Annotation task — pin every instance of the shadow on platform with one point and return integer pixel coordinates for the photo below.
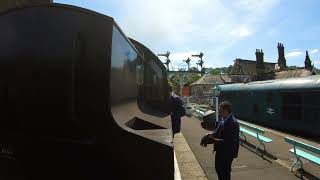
(302, 174)
(261, 153)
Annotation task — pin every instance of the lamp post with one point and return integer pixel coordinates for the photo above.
(216, 93)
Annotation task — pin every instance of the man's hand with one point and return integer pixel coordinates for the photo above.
(204, 141)
(207, 139)
(217, 139)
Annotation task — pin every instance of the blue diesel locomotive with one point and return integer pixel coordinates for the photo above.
(291, 105)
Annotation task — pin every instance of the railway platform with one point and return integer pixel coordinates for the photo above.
(197, 162)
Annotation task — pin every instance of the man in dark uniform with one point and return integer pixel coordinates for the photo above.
(176, 110)
(226, 141)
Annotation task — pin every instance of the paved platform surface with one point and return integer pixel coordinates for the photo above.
(197, 162)
(188, 167)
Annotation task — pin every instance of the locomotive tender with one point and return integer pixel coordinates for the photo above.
(72, 87)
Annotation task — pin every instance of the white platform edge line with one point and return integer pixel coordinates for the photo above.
(177, 175)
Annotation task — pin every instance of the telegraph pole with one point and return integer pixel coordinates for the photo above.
(200, 62)
(181, 76)
(167, 59)
(188, 62)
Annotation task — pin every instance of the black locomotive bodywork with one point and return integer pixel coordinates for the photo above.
(70, 82)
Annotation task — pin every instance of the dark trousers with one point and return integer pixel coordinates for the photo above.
(176, 124)
(223, 166)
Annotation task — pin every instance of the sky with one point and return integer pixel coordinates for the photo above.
(222, 29)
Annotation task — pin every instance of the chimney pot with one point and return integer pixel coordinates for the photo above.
(281, 58)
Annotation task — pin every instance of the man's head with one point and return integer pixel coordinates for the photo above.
(225, 109)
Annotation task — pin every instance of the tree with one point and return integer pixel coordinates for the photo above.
(220, 70)
(193, 69)
(316, 70)
(193, 78)
(229, 69)
(215, 71)
(175, 86)
(293, 67)
(173, 80)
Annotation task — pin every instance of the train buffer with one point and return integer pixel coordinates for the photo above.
(255, 132)
(301, 149)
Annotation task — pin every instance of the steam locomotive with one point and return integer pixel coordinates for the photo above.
(78, 98)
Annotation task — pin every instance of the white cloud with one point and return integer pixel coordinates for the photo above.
(240, 32)
(251, 5)
(183, 56)
(314, 51)
(210, 26)
(294, 54)
(316, 62)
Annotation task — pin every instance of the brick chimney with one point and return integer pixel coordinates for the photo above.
(307, 61)
(259, 61)
(281, 60)
(11, 4)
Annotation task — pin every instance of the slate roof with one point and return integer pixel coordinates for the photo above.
(248, 67)
(294, 73)
(212, 79)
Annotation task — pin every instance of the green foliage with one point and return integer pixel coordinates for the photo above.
(173, 84)
(296, 67)
(292, 67)
(193, 69)
(173, 80)
(317, 70)
(219, 70)
(193, 78)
